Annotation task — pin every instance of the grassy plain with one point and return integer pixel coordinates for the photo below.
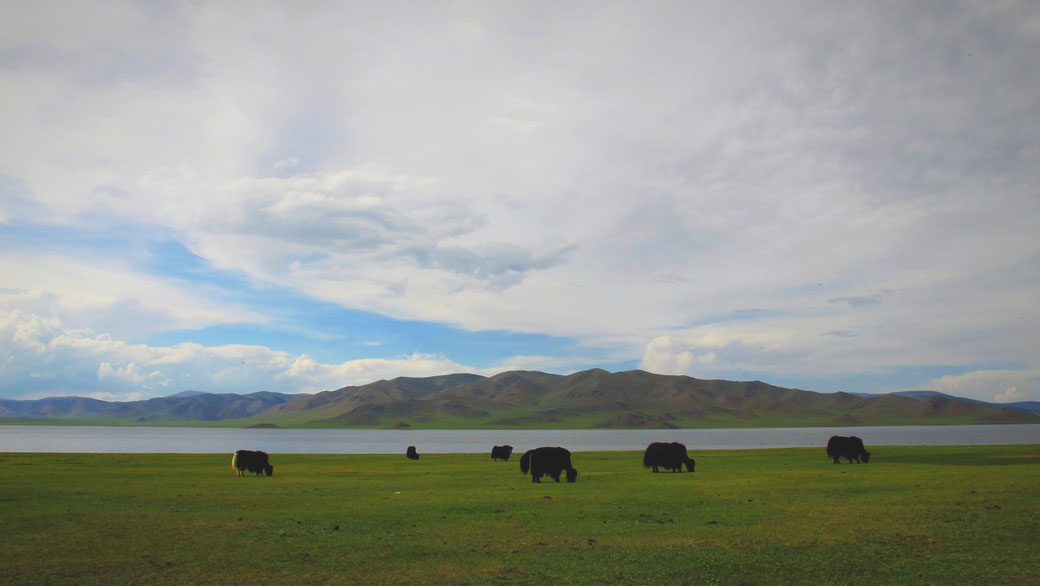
(941, 515)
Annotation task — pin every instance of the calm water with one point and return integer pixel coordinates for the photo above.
(24, 438)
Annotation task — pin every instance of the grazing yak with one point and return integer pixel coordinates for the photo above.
(411, 453)
(501, 452)
(547, 461)
(670, 456)
(850, 448)
(255, 462)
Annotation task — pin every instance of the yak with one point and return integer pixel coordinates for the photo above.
(501, 452)
(547, 461)
(850, 448)
(670, 456)
(255, 462)
(412, 455)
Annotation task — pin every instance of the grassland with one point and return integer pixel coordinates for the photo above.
(941, 515)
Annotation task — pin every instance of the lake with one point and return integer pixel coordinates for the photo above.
(185, 440)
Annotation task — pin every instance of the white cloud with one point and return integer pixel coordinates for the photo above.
(42, 358)
(287, 163)
(110, 296)
(133, 375)
(864, 174)
(1010, 396)
(664, 355)
(355, 372)
(1001, 386)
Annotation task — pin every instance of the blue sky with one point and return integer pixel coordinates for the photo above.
(237, 197)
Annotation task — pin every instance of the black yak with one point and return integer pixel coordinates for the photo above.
(668, 456)
(255, 462)
(850, 448)
(411, 453)
(547, 461)
(501, 452)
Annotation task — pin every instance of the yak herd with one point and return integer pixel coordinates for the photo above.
(553, 462)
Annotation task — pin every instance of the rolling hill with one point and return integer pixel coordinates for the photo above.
(1030, 406)
(185, 406)
(527, 399)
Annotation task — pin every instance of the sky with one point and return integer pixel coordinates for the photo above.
(234, 197)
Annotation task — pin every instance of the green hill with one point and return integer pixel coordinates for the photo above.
(600, 399)
(527, 399)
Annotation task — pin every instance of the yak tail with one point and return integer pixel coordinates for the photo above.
(646, 459)
(234, 461)
(525, 463)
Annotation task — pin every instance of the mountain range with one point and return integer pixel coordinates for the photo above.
(533, 400)
(1030, 406)
(187, 406)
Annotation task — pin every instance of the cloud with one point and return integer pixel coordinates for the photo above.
(287, 163)
(367, 223)
(1010, 396)
(499, 265)
(663, 355)
(113, 296)
(306, 371)
(1001, 386)
(858, 301)
(132, 374)
(842, 169)
(43, 358)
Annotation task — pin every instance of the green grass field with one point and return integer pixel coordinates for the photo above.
(940, 515)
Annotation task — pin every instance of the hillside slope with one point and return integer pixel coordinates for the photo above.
(528, 399)
(600, 399)
(179, 407)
